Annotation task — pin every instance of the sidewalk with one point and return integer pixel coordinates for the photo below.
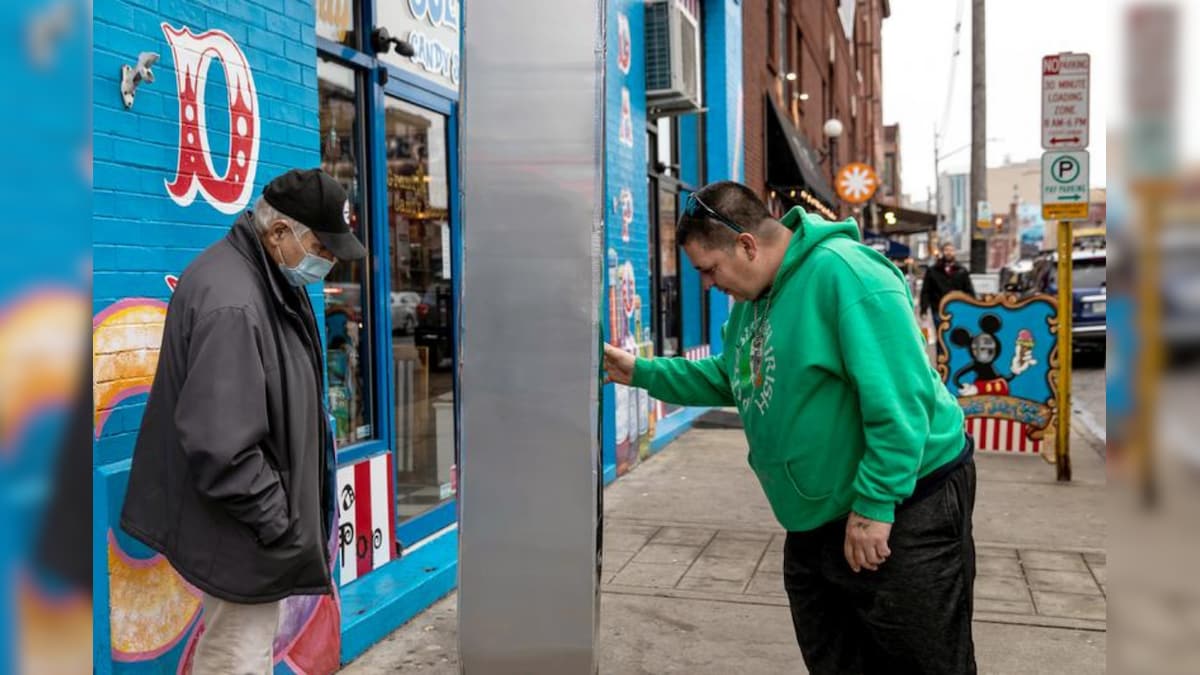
(692, 583)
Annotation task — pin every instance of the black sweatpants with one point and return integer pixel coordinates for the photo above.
(911, 616)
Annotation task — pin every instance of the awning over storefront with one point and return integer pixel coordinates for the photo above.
(792, 164)
(899, 220)
(889, 247)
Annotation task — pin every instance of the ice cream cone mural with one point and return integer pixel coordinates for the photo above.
(1023, 356)
(125, 340)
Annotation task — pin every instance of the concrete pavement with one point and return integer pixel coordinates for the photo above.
(691, 580)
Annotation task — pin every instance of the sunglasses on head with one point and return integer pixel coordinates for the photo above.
(695, 206)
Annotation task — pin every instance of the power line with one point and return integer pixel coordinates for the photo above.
(955, 53)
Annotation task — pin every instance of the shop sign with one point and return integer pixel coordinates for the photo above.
(432, 28)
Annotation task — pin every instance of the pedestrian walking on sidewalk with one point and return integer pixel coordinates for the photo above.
(856, 442)
(942, 277)
(231, 476)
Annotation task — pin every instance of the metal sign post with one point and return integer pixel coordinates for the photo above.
(1066, 84)
(1062, 445)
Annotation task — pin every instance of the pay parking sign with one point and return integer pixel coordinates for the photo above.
(1065, 185)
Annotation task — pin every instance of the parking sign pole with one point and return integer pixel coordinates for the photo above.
(1062, 444)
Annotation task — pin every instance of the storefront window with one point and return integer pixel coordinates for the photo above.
(422, 302)
(347, 291)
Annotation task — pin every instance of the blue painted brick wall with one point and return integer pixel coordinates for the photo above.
(140, 234)
(625, 167)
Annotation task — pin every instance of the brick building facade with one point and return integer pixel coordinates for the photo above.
(812, 61)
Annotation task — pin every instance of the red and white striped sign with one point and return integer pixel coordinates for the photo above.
(993, 434)
(366, 516)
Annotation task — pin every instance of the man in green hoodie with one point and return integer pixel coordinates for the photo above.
(858, 445)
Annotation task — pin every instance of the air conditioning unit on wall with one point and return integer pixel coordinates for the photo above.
(673, 76)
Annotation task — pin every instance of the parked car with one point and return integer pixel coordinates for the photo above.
(344, 296)
(435, 322)
(404, 311)
(1089, 288)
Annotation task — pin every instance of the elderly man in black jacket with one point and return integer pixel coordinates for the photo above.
(232, 471)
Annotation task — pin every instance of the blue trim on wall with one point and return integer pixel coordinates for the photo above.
(610, 473)
(432, 521)
(433, 89)
(419, 96)
(456, 266)
(608, 444)
(674, 426)
(381, 279)
(340, 51)
(388, 597)
(101, 607)
(360, 451)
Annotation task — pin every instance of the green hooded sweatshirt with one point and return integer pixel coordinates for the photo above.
(840, 405)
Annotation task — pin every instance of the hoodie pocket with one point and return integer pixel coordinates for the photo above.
(790, 484)
(802, 479)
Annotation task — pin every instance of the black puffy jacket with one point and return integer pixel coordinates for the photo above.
(231, 476)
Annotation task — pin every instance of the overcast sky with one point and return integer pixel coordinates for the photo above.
(918, 42)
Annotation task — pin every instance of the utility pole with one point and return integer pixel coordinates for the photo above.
(937, 184)
(978, 134)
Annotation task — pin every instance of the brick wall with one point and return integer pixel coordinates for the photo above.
(829, 89)
(757, 78)
(141, 233)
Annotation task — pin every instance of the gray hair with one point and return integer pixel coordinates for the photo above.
(265, 214)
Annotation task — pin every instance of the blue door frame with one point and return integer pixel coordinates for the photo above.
(411, 89)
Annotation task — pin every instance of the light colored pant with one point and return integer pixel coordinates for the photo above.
(238, 639)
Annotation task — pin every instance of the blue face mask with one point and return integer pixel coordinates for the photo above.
(310, 269)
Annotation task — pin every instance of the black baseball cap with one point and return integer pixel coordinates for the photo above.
(319, 202)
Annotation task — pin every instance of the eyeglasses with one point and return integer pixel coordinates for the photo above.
(694, 204)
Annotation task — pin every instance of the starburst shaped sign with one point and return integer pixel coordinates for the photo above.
(856, 183)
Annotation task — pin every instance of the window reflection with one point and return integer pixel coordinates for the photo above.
(336, 20)
(347, 316)
(421, 306)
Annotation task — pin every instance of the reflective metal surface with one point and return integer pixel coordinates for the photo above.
(529, 496)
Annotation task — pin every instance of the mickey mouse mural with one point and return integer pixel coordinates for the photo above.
(999, 357)
(985, 349)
